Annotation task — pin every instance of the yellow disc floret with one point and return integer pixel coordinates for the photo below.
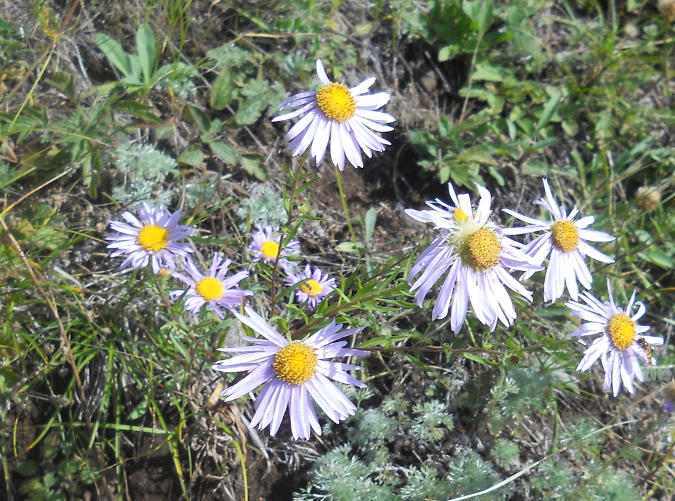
(152, 238)
(483, 248)
(270, 249)
(621, 330)
(336, 102)
(295, 363)
(209, 288)
(311, 287)
(565, 235)
(460, 216)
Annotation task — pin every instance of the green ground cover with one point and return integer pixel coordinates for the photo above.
(106, 382)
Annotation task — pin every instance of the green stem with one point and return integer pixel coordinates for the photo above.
(345, 207)
(289, 211)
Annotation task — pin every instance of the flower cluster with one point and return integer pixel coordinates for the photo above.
(479, 259)
(474, 258)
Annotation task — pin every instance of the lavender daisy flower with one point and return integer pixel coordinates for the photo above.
(347, 118)
(212, 289)
(315, 288)
(478, 259)
(291, 372)
(265, 247)
(621, 343)
(152, 237)
(565, 240)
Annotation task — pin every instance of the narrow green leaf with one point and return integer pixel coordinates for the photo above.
(114, 52)
(549, 109)
(370, 220)
(146, 45)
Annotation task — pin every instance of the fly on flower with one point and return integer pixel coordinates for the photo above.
(290, 372)
(213, 289)
(622, 342)
(265, 247)
(477, 257)
(565, 240)
(346, 118)
(152, 237)
(316, 285)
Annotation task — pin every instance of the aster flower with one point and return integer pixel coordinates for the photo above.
(212, 289)
(477, 257)
(265, 246)
(347, 118)
(565, 240)
(152, 237)
(291, 372)
(315, 288)
(621, 343)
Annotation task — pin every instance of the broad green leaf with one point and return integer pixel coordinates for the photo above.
(114, 52)
(139, 410)
(549, 109)
(444, 126)
(254, 165)
(221, 92)
(224, 151)
(146, 45)
(138, 110)
(251, 109)
(364, 28)
(191, 156)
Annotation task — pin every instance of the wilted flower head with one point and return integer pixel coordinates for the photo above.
(669, 403)
(291, 372)
(346, 118)
(265, 246)
(316, 285)
(152, 237)
(621, 343)
(565, 240)
(648, 197)
(478, 259)
(212, 289)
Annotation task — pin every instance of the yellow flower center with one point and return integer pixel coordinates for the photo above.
(565, 235)
(483, 248)
(152, 238)
(336, 102)
(460, 216)
(311, 288)
(209, 288)
(621, 330)
(270, 249)
(295, 363)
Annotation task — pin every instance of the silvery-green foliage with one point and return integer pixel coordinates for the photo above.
(200, 193)
(505, 452)
(553, 480)
(264, 207)
(142, 170)
(433, 417)
(469, 473)
(344, 478)
(424, 484)
(180, 82)
(371, 425)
